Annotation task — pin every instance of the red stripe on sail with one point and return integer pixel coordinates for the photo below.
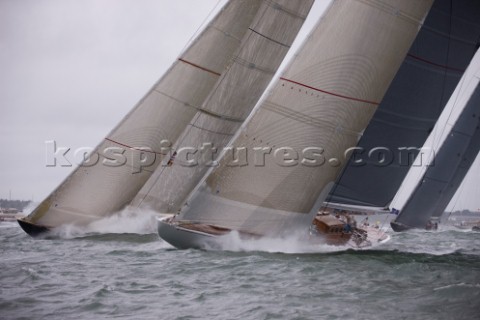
(331, 93)
(199, 67)
(434, 64)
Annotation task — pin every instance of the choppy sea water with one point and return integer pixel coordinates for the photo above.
(93, 275)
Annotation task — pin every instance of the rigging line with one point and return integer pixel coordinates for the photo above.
(133, 148)
(200, 27)
(202, 110)
(458, 196)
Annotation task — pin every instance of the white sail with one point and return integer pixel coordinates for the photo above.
(236, 93)
(119, 168)
(318, 109)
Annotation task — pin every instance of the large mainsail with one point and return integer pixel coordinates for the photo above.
(125, 159)
(296, 140)
(420, 90)
(235, 94)
(455, 142)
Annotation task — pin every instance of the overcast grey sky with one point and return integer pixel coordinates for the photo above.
(71, 69)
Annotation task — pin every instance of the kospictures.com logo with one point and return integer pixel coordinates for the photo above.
(207, 155)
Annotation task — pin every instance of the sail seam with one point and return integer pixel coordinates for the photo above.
(268, 38)
(252, 65)
(211, 131)
(226, 33)
(396, 124)
(433, 179)
(306, 119)
(199, 67)
(399, 115)
(208, 112)
(434, 63)
(394, 11)
(220, 116)
(297, 116)
(278, 6)
(331, 93)
(134, 148)
(449, 36)
(461, 133)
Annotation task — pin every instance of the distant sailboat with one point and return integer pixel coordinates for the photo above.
(456, 144)
(296, 139)
(131, 152)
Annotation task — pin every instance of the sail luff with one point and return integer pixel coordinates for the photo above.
(122, 166)
(316, 111)
(455, 150)
(235, 94)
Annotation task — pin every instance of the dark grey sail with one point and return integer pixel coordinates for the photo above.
(427, 78)
(452, 160)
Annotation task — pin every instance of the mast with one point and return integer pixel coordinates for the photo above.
(237, 91)
(297, 138)
(419, 92)
(458, 146)
(125, 159)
